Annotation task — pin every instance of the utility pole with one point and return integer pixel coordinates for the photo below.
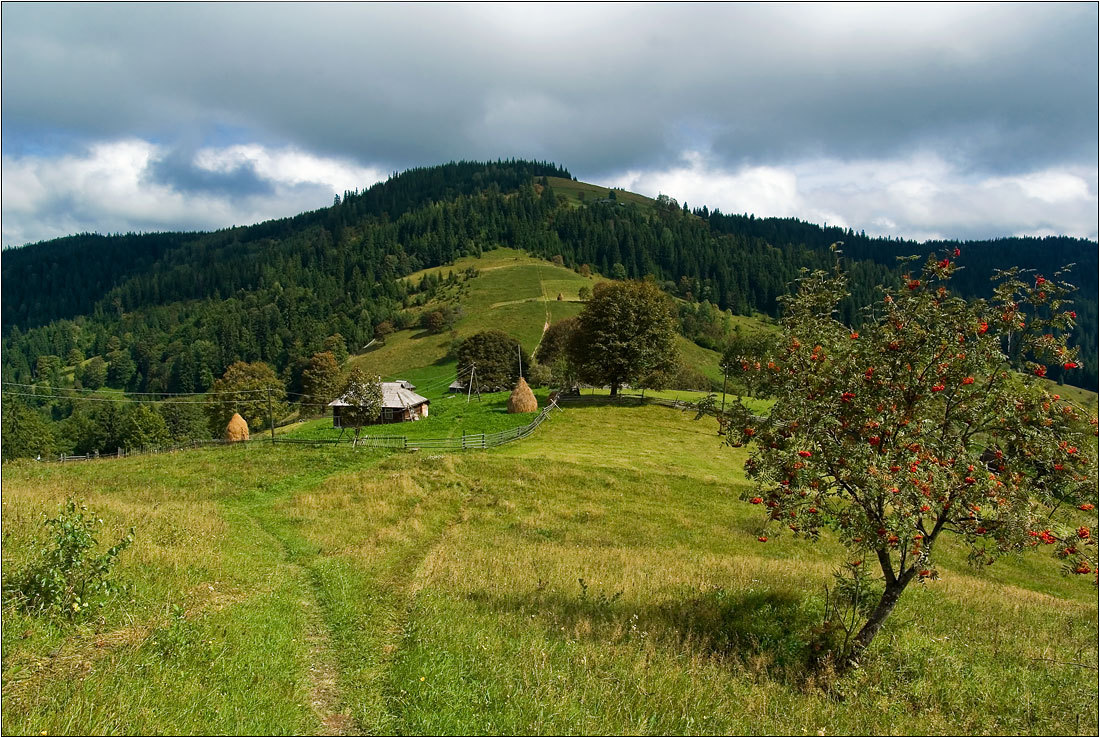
(270, 416)
(519, 353)
(471, 387)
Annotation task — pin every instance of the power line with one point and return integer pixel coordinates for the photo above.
(160, 394)
(111, 399)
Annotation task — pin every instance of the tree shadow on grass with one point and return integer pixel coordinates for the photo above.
(760, 629)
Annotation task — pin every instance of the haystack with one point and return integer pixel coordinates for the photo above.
(522, 399)
(560, 297)
(237, 430)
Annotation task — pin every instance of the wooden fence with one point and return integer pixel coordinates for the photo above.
(124, 452)
(465, 441)
(453, 443)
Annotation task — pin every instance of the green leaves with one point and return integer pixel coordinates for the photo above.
(68, 578)
(626, 332)
(363, 396)
(919, 422)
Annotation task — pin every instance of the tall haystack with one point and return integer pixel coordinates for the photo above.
(522, 399)
(237, 430)
(560, 297)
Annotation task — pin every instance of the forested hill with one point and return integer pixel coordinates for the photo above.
(169, 312)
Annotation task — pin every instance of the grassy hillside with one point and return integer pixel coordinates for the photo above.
(600, 577)
(583, 193)
(513, 292)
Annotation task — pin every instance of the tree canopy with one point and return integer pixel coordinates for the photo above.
(930, 418)
(363, 395)
(246, 388)
(495, 357)
(626, 331)
(320, 380)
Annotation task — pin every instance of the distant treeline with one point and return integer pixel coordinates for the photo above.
(169, 312)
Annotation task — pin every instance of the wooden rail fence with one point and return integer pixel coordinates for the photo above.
(465, 441)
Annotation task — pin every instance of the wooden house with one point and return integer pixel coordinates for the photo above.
(399, 404)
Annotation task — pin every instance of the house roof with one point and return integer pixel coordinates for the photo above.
(394, 396)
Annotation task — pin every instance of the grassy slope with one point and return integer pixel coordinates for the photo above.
(578, 192)
(515, 293)
(443, 593)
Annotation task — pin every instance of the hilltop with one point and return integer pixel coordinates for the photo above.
(183, 306)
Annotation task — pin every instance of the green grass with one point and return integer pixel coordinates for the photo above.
(449, 416)
(514, 292)
(1082, 397)
(517, 294)
(600, 577)
(574, 191)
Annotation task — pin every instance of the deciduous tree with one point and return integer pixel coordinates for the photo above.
(245, 389)
(320, 380)
(929, 419)
(363, 396)
(626, 331)
(495, 356)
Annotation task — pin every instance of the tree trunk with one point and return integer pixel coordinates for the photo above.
(614, 389)
(878, 616)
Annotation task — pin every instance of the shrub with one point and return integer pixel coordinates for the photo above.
(68, 577)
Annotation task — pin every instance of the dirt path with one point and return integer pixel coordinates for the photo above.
(325, 697)
(546, 305)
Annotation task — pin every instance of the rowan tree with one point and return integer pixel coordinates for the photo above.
(930, 418)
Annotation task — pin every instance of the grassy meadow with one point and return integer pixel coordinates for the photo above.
(601, 576)
(513, 292)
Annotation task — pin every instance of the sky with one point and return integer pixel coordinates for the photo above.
(944, 120)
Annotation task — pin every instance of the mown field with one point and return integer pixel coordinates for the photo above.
(601, 576)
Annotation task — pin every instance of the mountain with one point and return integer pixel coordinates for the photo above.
(171, 311)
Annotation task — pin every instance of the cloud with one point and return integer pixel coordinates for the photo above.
(921, 196)
(997, 92)
(135, 185)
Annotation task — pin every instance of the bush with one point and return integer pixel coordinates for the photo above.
(68, 578)
(539, 375)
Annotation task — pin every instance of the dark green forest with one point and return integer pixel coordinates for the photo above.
(169, 312)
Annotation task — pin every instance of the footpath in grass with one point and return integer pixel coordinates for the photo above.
(214, 635)
(601, 576)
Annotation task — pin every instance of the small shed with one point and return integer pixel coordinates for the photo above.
(398, 405)
(457, 386)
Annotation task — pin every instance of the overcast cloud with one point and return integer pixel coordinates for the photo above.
(942, 120)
